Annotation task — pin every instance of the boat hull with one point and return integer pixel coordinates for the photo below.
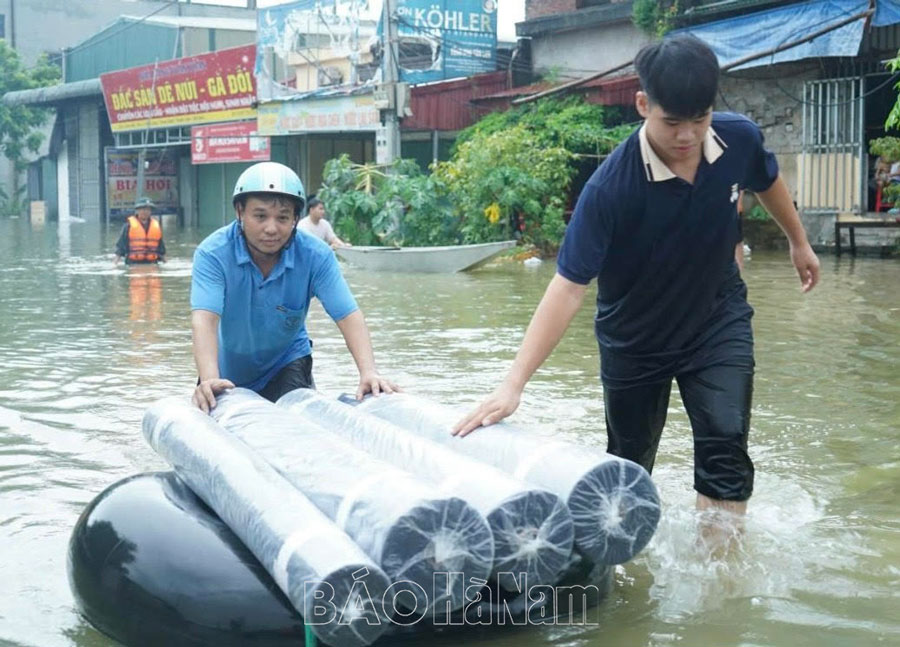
(447, 259)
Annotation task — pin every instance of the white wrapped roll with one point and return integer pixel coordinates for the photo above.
(428, 542)
(312, 561)
(613, 503)
(532, 528)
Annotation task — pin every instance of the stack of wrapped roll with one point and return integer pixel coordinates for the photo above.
(532, 528)
(613, 503)
(308, 557)
(378, 509)
(428, 543)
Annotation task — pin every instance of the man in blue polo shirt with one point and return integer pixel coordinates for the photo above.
(251, 286)
(656, 226)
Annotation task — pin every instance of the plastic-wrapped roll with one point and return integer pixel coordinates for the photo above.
(613, 503)
(309, 558)
(427, 543)
(532, 528)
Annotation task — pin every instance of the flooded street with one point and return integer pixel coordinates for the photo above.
(85, 346)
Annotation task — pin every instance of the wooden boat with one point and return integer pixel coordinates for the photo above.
(450, 258)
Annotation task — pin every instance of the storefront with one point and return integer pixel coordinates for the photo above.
(177, 129)
(318, 127)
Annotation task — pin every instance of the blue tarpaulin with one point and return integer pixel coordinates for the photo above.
(735, 38)
(887, 12)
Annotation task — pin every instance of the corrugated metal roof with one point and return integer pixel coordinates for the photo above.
(122, 45)
(448, 105)
(113, 47)
(616, 91)
(520, 91)
(54, 94)
(198, 22)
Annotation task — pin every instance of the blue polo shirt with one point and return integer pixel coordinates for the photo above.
(670, 298)
(262, 326)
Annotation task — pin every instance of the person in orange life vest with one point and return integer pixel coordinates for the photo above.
(141, 239)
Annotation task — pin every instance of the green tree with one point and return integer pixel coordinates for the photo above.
(893, 118)
(580, 127)
(508, 183)
(371, 206)
(18, 124)
(655, 17)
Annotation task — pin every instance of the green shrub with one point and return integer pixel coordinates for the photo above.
(886, 147)
(570, 122)
(655, 17)
(509, 176)
(370, 205)
(507, 184)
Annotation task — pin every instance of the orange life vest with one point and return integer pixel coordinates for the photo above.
(143, 244)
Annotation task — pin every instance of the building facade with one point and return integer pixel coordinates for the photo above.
(820, 93)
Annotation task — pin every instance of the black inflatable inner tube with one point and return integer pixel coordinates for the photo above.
(150, 564)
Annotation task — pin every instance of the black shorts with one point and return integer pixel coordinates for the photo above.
(717, 400)
(296, 375)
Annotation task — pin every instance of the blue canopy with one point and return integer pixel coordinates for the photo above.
(735, 38)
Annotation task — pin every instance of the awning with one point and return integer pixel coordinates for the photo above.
(734, 38)
(54, 94)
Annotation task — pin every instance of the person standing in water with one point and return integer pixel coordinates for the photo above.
(315, 223)
(251, 285)
(656, 226)
(141, 240)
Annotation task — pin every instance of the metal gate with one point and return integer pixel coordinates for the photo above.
(833, 156)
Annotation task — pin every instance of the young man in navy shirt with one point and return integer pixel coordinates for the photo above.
(656, 226)
(251, 285)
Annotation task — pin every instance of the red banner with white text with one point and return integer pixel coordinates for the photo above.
(222, 143)
(219, 86)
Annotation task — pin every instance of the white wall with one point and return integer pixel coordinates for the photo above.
(578, 53)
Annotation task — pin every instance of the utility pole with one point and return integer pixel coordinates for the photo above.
(387, 139)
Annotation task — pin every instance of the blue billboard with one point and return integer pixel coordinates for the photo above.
(445, 39)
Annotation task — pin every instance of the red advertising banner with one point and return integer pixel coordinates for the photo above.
(219, 86)
(237, 142)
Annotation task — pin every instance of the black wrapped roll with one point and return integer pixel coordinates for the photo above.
(532, 528)
(613, 502)
(309, 558)
(426, 542)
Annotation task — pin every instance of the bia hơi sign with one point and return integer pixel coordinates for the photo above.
(218, 86)
(235, 142)
(160, 181)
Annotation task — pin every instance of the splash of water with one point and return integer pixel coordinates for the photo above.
(768, 558)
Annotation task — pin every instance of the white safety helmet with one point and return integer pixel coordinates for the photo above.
(270, 177)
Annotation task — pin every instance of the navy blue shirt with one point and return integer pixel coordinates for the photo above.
(662, 250)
